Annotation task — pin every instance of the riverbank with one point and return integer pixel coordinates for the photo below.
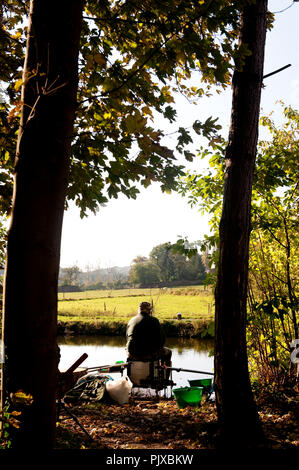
(198, 328)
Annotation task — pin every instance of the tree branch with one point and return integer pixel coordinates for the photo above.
(276, 71)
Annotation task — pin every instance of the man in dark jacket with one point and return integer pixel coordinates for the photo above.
(145, 337)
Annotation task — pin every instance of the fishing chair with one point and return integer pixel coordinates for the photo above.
(150, 374)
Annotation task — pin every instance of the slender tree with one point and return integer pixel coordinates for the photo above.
(236, 408)
(41, 179)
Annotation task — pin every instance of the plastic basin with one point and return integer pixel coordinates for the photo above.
(205, 383)
(188, 396)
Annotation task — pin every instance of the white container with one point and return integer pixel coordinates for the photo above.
(139, 371)
(119, 390)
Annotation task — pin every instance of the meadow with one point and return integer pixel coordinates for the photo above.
(120, 305)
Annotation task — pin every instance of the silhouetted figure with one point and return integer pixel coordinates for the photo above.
(145, 337)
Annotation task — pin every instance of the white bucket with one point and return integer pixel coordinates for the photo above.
(139, 371)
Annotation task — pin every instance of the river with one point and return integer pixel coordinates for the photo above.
(102, 350)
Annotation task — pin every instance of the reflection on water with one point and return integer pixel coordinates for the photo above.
(82, 340)
(181, 344)
(102, 350)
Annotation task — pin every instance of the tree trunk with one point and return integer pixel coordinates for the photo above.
(237, 413)
(41, 178)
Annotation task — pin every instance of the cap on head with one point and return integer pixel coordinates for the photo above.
(145, 308)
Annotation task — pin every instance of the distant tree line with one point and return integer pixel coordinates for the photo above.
(165, 266)
(74, 279)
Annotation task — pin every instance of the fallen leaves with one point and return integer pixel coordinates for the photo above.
(148, 424)
(162, 425)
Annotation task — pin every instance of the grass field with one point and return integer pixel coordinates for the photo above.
(120, 305)
(95, 294)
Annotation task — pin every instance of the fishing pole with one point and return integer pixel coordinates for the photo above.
(180, 369)
(116, 366)
(124, 365)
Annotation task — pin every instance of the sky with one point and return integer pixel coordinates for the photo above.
(127, 228)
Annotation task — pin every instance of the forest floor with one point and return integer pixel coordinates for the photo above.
(146, 424)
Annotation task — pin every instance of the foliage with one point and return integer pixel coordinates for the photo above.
(12, 43)
(95, 286)
(8, 420)
(70, 276)
(205, 192)
(129, 54)
(12, 419)
(200, 328)
(165, 266)
(162, 256)
(144, 273)
(133, 58)
(273, 262)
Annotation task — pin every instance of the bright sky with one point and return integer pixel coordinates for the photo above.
(127, 228)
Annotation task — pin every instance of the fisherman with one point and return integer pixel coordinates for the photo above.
(145, 337)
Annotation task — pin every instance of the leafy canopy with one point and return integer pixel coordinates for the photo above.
(134, 57)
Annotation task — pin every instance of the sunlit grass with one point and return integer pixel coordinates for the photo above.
(108, 293)
(192, 303)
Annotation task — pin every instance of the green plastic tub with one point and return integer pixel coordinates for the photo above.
(188, 396)
(205, 383)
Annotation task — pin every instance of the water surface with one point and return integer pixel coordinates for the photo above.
(102, 350)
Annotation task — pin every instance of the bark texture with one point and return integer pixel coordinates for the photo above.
(238, 417)
(41, 178)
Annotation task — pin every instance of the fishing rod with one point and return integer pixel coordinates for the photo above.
(122, 365)
(180, 369)
(118, 366)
